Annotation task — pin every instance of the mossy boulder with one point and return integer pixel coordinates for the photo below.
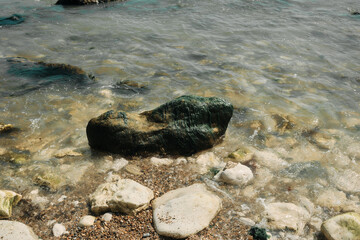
(8, 199)
(83, 2)
(183, 126)
(12, 20)
(344, 226)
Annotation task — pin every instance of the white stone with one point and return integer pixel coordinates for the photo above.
(161, 161)
(270, 160)
(239, 175)
(354, 151)
(342, 227)
(331, 198)
(12, 230)
(8, 199)
(2, 151)
(59, 229)
(282, 215)
(315, 223)
(87, 221)
(62, 198)
(247, 221)
(121, 195)
(207, 161)
(119, 164)
(180, 160)
(107, 217)
(185, 211)
(347, 181)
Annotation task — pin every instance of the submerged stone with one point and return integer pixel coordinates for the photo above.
(83, 2)
(5, 128)
(12, 20)
(185, 125)
(307, 170)
(8, 199)
(342, 227)
(31, 76)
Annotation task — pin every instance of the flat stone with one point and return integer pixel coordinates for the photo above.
(241, 155)
(185, 211)
(347, 181)
(12, 230)
(238, 175)
(305, 170)
(8, 199)
(331, 198)
(342, 227)
(121, 195)
(161, 161)
(87, 221)
(119, 164)
(133, 169)
(67, 152)
(282, 215)
(208, 160)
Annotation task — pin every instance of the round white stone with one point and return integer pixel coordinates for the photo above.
(87, 221)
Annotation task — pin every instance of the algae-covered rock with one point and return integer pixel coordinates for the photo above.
(241, 155)
(50, 181)
(83, 2)
(12, 20)
(5, 128)
(8, 199)
(185, 125)
(25, 76)
(342, 227)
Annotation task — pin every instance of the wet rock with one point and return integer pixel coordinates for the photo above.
(8, 199)
(5, 128)
(87, 221)
(321, 140)
(83, 2)
(12, 20)
(50, 181)
(341, 227)
(119, 164)
(120, 195)
(185, 211)
(130, 87)
(354, 151)
(36, 199)
(283, 122)
(315, 223)
(32, 76)
(59, 230)
(12, 230)
(133, 169)
(67, 152)
(241, 155)
(161, 161)
(270, 160)
(183, 126)
(305, 170)
(332, 198)
(238, 175)
(282, 215)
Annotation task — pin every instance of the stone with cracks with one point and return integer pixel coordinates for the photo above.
(183, 126)
(185, 211)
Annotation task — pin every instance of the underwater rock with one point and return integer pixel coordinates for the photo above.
(183, 126)
(16, 230)
(305, 170)
(340, 227)
(5, 128)
(120, 195)
(32, 76)
(50, 181)
(12, 20)
(208, 161)
(270, 160)
(347, 181)
(8, 199)
(185, 211)
(241, 155)
(130, 87)
(283, 123)
(281, 215)
(83, 2)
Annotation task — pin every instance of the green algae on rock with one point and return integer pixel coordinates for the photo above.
(12, 20)
(344, 226)
(83, 2)
(183, 126)
(8, 199)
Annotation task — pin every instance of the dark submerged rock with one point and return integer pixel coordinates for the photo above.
(30, 76)
(12, 20)
(83, 2)
(183, 126)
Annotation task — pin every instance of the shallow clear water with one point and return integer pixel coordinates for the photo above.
(297, 58)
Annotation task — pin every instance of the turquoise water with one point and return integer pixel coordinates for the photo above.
(294, 58)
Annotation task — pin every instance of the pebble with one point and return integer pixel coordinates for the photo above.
(238, 175)
(87, 221)
(270, 160)
(161, 161)
(107, 217)
(119, 164)
(146, 235)
(59, 229)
